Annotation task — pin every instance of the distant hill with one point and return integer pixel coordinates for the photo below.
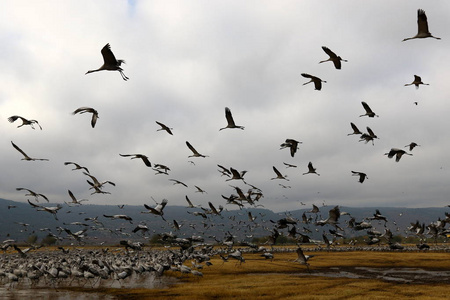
(236, 222)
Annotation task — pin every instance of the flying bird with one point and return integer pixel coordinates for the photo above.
(158, 209)
(12, 119)
(26, 157)
(34, 194)
(196, 153)
(77, 166)
(279, 175)
(355, 129)
(110, 63)
(75, 201)
(362, 176)
(311, 169)
(289, 165)
(332, 57)
(422, 27)
(141, 156)
(117, 217)
(416, 82)
(230, 120)
(291, 144)
(83, 110)
(398, 153)
(178, 182)
(164, 127)
(369, 112)
(317, 81)
(412, 146)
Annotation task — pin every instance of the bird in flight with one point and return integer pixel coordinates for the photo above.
(317, 81)
(196, 153)
(26, 157)
(164, 127)
(77, 166)
(230, 120)
(83, 110)
(398, 153)
(311, 169)
(416, 82)
(355, 129)
(74, 201)
(141, 156)
(12, 119)
(34, 194)
(279, 175)
(412, 146)
(110, 63)
(292, 144)
(362, 176)
(422, 27)
(369, 111)
(332, 57)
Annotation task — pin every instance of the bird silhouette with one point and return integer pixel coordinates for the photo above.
(332, 57)
(317, 81)
(83, 110)
(110, 63)
(422, 27)
(230, 120)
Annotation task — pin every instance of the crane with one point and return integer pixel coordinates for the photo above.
(332, 57)
(369, 111)
(317, 81)
(311, 169)
(230, 120)
(422, 27)
(416, 82)
(110, 63)
(25, 156)
(12, 119)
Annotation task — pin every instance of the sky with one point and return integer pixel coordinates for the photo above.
(187, 61)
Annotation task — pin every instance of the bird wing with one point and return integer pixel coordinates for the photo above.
(355, 129)
(14, 118)
(417, 78)
(145, 160)
(422, 23)
(329, 52)
(108, 56)
(72, 196)
(277, 172)
(32, 204)
(317, 83)
(366, 107)
(18, 149)
(94, 119)
(191, 148)
(229, 117)
(83, 109)
(310, 167)
(371, 132)
(307, 75)
(334, 214)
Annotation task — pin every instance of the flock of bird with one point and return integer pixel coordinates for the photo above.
(106, 266)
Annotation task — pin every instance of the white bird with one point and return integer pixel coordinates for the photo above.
(196, 153)
(110, 63)
(24, 121)
(230, 120)
(332, 57)
(141, 156)
(164, 127)
(84, 109)
(416, 82)
(397, 152)
(311, 169)
(26, 157)
(317, 81)
(369, 112)
(422, 27)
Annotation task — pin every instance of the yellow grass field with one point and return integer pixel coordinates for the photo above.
(282, 278)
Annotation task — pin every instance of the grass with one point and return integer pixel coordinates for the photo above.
(258, 278)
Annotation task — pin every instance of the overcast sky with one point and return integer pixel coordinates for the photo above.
(187, 61)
